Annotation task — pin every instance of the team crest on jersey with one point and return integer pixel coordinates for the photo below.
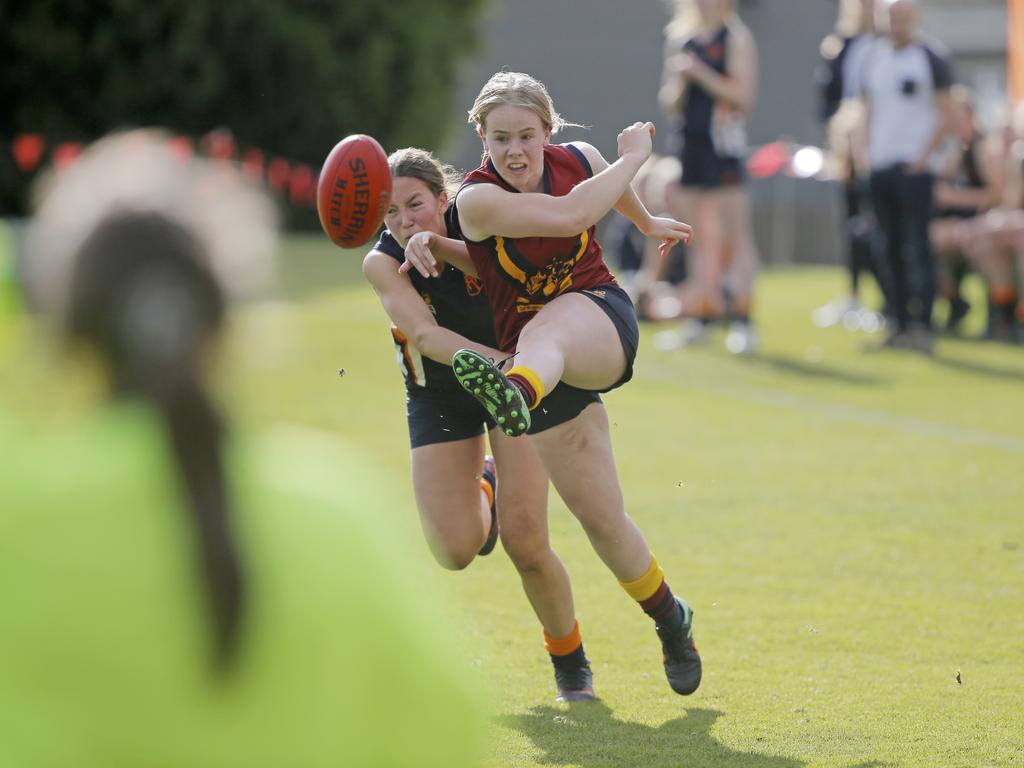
(553, 279)
(539, 284)
(429, 303)
(473, 286)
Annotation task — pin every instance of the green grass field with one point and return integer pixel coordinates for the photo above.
(848, 527)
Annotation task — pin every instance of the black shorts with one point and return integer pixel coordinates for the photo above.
(616, 304)
(443, 416)
(560, 405)
(703, 167)
(564, 402)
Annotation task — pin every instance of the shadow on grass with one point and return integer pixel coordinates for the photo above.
(589, 735)
(980, 369)
(792, 365)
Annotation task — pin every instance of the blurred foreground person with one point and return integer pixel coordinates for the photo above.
(121, 523)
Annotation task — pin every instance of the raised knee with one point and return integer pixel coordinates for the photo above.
(453, 553)
(454, 560)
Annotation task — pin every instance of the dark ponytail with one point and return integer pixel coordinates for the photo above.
(142, 297)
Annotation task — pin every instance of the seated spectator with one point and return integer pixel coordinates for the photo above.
(994, 241)
(969, 183)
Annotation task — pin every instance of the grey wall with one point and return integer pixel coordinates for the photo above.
(788, 34)
(601, 60)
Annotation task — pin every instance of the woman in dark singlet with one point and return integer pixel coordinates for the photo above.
(710, 80)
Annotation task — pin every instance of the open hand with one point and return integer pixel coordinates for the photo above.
(419, 256)
(669, 231)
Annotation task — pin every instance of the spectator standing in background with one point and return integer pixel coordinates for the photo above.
(843, 60)
(906, 88)
(709, 79)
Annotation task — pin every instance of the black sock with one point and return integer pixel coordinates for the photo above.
(573, 660)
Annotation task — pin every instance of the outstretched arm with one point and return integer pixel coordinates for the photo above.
(407, 310)
(427, 253)
(486, 210)
(669, 231)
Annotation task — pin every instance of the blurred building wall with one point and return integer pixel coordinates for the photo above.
(601, 61)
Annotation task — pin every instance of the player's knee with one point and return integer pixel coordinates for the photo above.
(526, 555)
(526, 546)
(601, 522)
(454, 552)
(454, 559)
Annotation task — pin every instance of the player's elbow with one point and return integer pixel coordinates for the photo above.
(429, 340)
(423, 338)
(576, 224)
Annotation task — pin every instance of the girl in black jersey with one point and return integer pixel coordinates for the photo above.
(433, 317)
(710, 80)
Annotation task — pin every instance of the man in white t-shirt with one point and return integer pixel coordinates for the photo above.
(906, 87)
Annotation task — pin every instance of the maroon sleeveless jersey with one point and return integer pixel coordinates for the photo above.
(520, 275)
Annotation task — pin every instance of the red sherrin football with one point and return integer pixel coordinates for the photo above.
(354, 191)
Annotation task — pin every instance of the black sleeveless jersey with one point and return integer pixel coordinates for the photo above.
(457, 302)
(967, 176)
(699, 105)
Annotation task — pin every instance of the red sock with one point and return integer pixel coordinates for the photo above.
(528, 392)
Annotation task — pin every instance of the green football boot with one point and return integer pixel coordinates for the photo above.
(500, 397)
(682, 661)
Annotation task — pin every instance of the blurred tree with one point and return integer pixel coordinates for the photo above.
(288, 76)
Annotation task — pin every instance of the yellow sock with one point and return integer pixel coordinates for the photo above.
(646, 585)
(530, 384)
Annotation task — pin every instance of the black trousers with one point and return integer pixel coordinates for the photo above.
(903, 205)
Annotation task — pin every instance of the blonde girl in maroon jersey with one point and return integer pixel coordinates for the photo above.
(527, 216)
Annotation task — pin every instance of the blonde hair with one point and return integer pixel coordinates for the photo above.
(415, 163)
(519, 90)
(686, 18)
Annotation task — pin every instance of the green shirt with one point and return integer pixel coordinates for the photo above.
(104, 645)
